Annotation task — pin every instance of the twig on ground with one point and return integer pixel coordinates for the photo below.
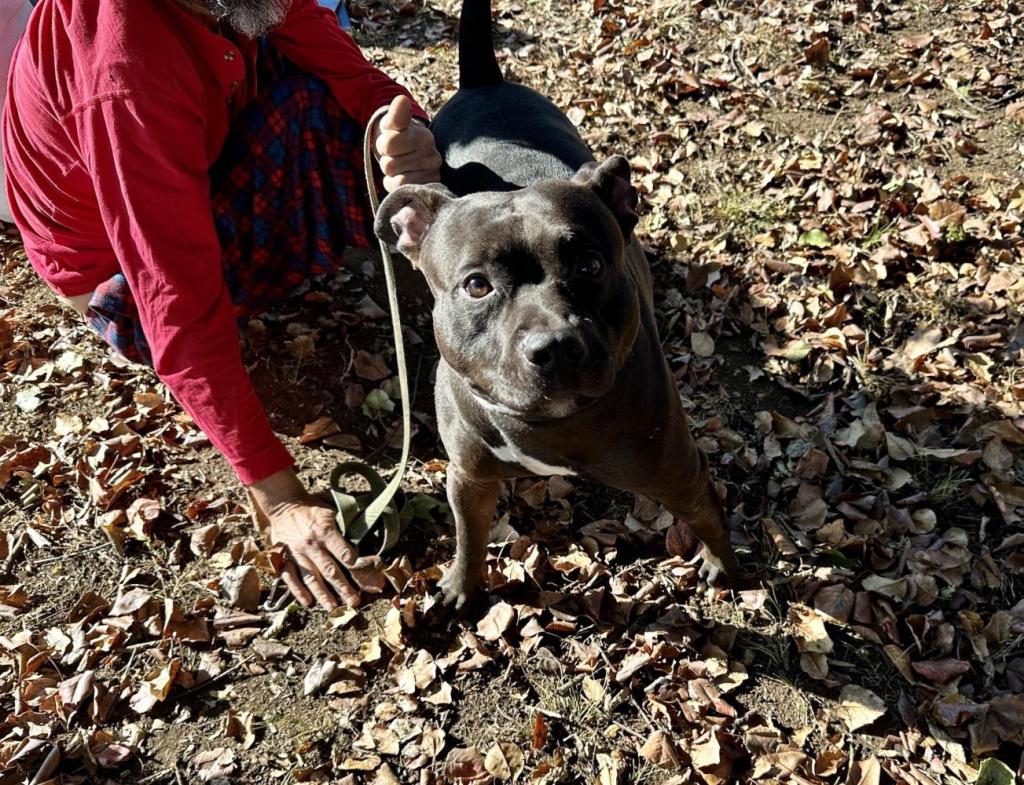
(62, 557)
(737, 60)
(160, 775)
(218, 677)
(15, 552)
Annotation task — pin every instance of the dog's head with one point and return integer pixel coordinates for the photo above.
(533, 305)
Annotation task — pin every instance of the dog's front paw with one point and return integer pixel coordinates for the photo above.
(454, 592)
(718, 571)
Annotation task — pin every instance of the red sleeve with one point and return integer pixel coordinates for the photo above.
(312, 39)
(146, 156)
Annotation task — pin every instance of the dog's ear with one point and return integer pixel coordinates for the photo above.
(405, 216)
(610, 181)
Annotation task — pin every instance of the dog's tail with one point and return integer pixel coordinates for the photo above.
(478, 67)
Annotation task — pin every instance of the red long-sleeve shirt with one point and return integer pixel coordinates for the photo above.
(115, 111)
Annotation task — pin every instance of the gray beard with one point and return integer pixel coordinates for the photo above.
(251, 18)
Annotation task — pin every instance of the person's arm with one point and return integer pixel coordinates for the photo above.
(312, 39)
(147, 158)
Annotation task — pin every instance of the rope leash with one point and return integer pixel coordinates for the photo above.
(378, 524)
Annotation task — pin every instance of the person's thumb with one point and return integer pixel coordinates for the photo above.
(398, 116)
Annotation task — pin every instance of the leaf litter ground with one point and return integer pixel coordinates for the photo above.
(833, 198)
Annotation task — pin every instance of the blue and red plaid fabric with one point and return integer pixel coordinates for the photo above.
(288, 197)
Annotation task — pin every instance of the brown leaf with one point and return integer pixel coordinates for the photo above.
(131, 601)
(680, 540)
(997, 457)
(865, 772)
(539, 734)
(813, 464)
(204, 541)
(660, 750)
(241, 587)
(817, 53)
(835, 601)
(858, 707)
(385, 776)
(941, 671)
(344, 441)
(270, 650)
(215, 764)
(157, 686)
(319, 429)
(442, 696)
(808, 629)
(432, 741)
(370, 366)
(703, 344)
(498, 619)
(74, 691)
(369, 309)
(464, 764)
(141, 515)
(504, 761)
(320, 676)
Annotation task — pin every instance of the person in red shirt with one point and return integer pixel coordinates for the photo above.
(174, 166)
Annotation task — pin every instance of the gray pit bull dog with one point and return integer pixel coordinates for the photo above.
(543, 315)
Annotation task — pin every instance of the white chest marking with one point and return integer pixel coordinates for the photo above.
(509, 453)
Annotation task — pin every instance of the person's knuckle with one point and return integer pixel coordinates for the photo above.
(329, 570)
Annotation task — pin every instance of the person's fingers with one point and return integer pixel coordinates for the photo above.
(395, 143)
(291, 578)
(421, 160)
(411, 178)
(398, 115)
(332, 573)
(315, 584)
(356, 565)
(340, 548)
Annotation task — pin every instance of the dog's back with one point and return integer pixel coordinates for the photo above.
(495, 135)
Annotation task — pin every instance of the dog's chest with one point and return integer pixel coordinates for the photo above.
(510, 452)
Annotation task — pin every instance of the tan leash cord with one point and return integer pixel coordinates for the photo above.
(383, 499)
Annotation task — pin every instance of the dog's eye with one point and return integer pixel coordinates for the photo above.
(590, 265)
(477, 286)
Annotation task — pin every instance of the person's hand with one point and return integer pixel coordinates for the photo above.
(405, 147)
(317, 554)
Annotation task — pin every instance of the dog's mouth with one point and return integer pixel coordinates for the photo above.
(553, 406)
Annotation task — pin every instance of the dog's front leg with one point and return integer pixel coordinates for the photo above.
(678, 476)
(691, 496)
(473, 504)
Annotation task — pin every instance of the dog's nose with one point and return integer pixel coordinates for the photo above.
(550, 351)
